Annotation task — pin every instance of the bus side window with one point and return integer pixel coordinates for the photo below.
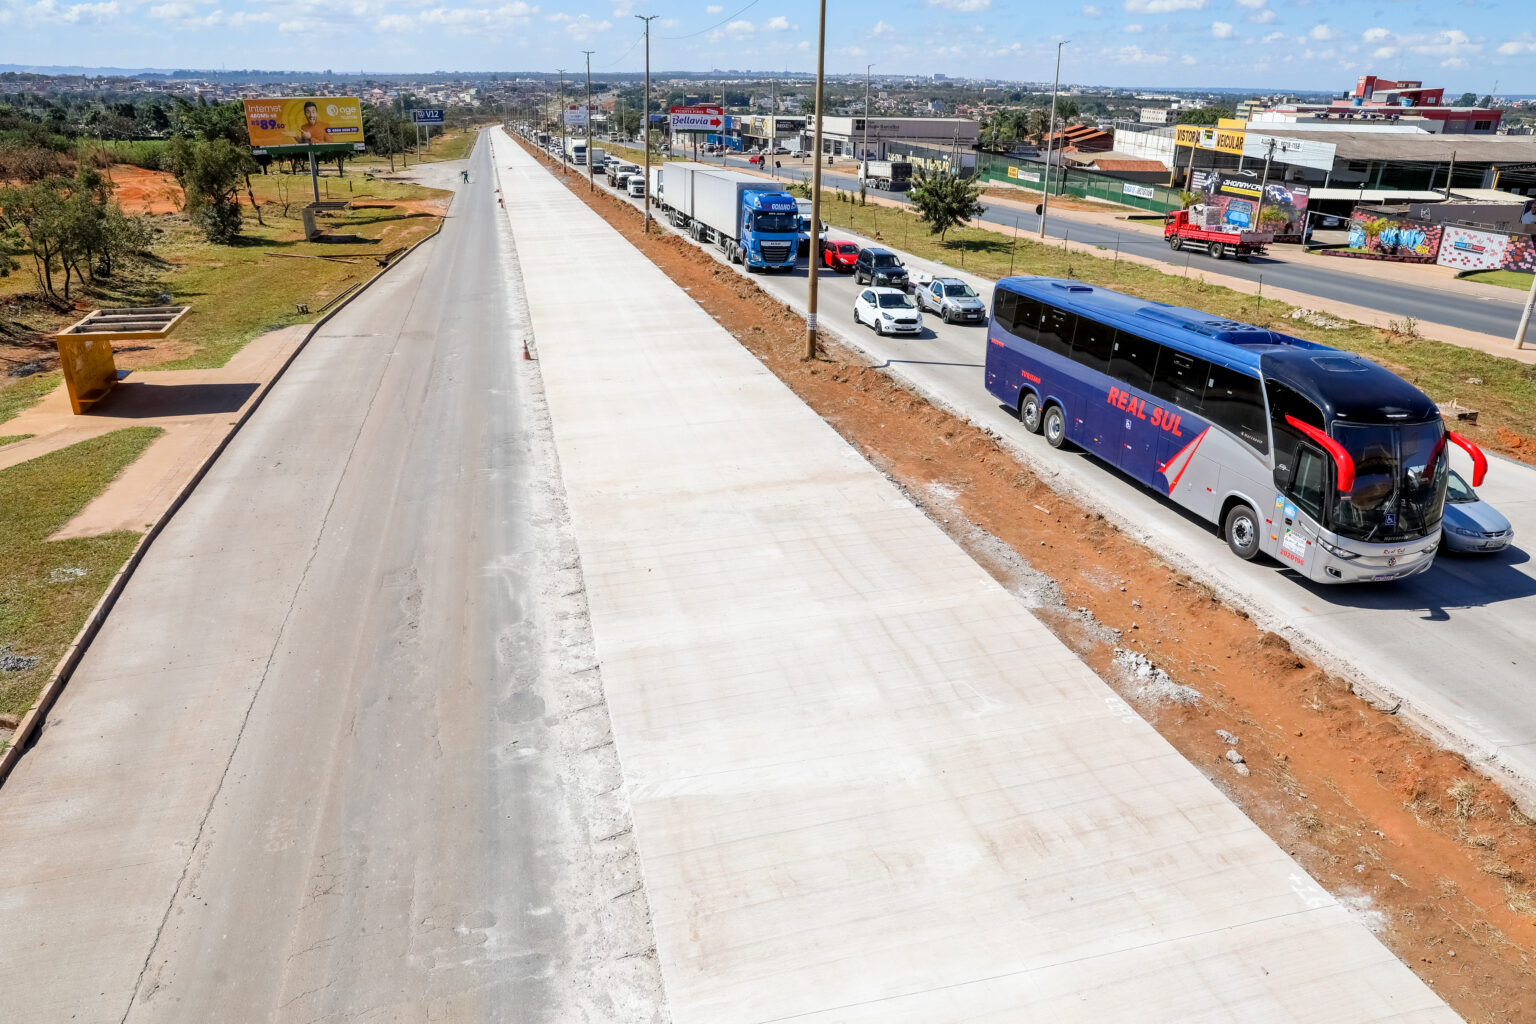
(1233, 401)
(1307, 489)
(1056, 329)
(1004, 305)
(1092, 344)
(1284, 401)
(1133, 360)
(1181, 378)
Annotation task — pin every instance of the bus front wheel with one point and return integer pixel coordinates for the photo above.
(1055, 427)
(1029, 412)
(1241, 529)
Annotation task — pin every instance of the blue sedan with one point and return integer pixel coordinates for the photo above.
(1471, 525)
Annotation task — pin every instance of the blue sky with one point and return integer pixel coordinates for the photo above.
(1465, 45)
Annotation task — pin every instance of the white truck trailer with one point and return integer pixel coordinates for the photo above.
(754, 222)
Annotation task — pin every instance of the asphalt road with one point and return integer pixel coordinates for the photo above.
(1452, 644)
(1280, 270)
(338, 754)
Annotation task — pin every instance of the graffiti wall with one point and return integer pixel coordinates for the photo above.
(1470, 249)
(1391, 238)
(1235, 197)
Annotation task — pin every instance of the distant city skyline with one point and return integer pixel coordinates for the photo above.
(1251, 45)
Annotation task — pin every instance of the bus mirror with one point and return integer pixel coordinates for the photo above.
(1341, 458)
(1479, 460)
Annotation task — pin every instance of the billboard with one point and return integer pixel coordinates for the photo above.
(577, 116)
(427, 116)
(289, 121)
(1222, 139)
(696, 119)
(1234, 198)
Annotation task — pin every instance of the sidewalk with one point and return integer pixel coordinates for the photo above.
(867, 784)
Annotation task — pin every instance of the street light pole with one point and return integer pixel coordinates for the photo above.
(1525, 317)
(590, 187)
(866, 116)
(645, 121)
(821, 69)
(1050, 139)
(565, 149)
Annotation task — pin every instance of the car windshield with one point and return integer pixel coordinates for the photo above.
(883, 261)
(1458, 491)
(847, 249)
(776, 223)
(1400, 481)
(894, 300)
(959, 291)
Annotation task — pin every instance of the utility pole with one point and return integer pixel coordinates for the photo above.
(865, 165)
(821, 70)
(565, 149)
(1050, 139)
(1448, 175)
(645, 120)
(1263, 184)
(1525, 317)
(590, 187)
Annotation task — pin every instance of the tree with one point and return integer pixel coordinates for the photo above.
(1039, 125)
(1468, 99)
(210, 173)
(1205, 115)
(944, 200)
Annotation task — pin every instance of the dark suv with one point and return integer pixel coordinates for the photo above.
(881, 268)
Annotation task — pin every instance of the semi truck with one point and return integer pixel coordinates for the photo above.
(886, 175)
(754, 222)
(576, 151)
(1182, 230)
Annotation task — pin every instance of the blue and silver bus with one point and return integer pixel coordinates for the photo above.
(1314, 456)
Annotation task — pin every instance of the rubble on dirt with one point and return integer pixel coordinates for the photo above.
(14, 662)
(1316, 319)
(1153, 684)
(1226, 737)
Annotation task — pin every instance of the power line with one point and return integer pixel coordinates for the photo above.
(638, 39)
(722, 21)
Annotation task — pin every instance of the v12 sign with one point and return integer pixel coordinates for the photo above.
(697, 119)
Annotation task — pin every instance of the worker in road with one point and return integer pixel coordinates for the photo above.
(465, 176)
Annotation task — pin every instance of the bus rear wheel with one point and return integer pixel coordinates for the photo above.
(1029, 412)
(1055, 427)
(1241, 529)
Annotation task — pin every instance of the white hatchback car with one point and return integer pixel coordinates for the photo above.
(888, 311)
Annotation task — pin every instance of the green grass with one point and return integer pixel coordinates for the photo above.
(25, 392)
(1502, 278)
(44, 595)
(13, 438)
(1506, 396)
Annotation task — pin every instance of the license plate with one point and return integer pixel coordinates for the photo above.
(1492, 545)
(1383, 577)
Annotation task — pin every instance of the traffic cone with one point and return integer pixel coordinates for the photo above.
(525, 349)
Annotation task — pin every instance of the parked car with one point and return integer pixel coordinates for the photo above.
(880, 267)
(951, 298)
(636, 186)
(887, 311)
(839, 255)
(1470, 524)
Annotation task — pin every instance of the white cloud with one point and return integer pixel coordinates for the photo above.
(1252, 5)
(1263, 17)
(170, 11)
(713, 9)
(960, 5)
(740, 29)
(1385, 52)
(1163, 6)
(1136, 55)
(1518, 47)
(1188, 60)
(74, 14)
(1132, 29)
(1375, 35)
(1321, 32)
(1272, 38)
(777, 24)
(883, 29)
(1090, 11)
(1221, 29)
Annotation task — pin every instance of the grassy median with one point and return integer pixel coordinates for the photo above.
(47, 588)
(1503, 390)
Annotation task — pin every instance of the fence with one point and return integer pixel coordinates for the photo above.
(1083, 184)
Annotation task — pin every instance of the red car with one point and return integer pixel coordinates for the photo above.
(839, 255)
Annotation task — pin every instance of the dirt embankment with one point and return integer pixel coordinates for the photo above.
(1431, 854)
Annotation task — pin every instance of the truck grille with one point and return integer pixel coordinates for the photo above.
(777, 252)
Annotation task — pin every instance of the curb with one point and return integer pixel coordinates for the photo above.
(32, 721)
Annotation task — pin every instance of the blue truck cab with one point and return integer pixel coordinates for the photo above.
(770, 230)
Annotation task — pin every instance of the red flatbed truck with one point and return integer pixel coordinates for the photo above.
(1179, 232)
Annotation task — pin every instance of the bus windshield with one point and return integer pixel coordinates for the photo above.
(1398, 494)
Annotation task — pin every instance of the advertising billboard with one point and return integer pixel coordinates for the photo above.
(1234, 195)
(696, 119)
(1228, 139)
(427, 116)
(304, 121)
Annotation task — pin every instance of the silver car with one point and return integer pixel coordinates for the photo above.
(1471, 525)
(953, 299)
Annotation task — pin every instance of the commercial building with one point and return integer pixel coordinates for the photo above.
(1386, 103)
(846, 136)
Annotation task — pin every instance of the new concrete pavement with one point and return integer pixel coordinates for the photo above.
(339, 752)
(1451, 645)
(868, 785)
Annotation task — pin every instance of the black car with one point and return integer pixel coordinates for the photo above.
(881, 268)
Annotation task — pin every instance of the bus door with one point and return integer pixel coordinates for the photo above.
(1131, 435)
(1179, 385)
(1299, 509)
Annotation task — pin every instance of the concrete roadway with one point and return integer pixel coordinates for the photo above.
(1303, 274)
(1452, 644)
(324, 762)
